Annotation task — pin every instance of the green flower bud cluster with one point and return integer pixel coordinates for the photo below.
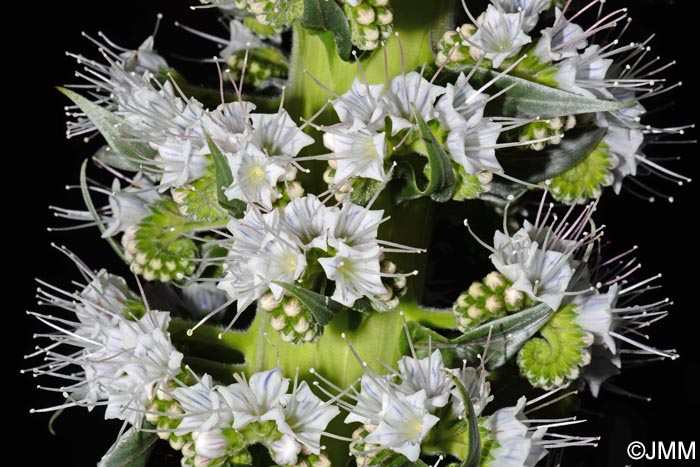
(453, 51)
(156, 248)
(365, 453)
(198, 201)
(551, 128)
(294, 322)
(361, 190)
(236, 451)
(490, 299)
(556, 358)
(276, 13)
(371, 22)
(307, 458)
(263, 66)
(395, 286)
(585, 180)
(163, 414)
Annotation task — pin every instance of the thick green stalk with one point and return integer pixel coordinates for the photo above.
(419, 23)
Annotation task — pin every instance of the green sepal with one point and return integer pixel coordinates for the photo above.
(132, 449)
(441, 184)
(474, 438)
(109, 125)
(327, 16)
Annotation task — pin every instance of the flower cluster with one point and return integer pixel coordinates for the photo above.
(565, 55)
(283, 219)
(123, 350)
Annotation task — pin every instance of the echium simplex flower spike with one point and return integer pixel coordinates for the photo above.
(157, 247)
(371, 22)
(556, 358)
(291, 319)
(490, 299)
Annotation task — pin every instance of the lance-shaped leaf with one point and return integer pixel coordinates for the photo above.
(538, 166)
(224, 179)
(132, 449)
(109, 157)
(529, 99)
(110, 126)
(327, 16)
(441, 185)
(504, 336)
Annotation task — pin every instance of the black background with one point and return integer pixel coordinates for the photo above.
(41, 163)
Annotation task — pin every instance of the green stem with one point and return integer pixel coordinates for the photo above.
(419, 24)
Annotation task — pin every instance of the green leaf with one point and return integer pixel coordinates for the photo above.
(441, 185)
(505, 336)
(224, 179)
(474, 453)
(538, 166)
(132, 449)
(530, 99)
(327, 15)
(85, 191)
(109, 125)
(322, 308)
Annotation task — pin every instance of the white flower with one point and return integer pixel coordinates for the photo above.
(355, 272)
(241, 38)
(181, 161)
(306, 417)
(461, 106)
(308, 218)
(404, 424)
(201, 298)
(594, 314)
(227, 123)
(625, 143)
(357, 152)
(603, 366)
(277, 135)
(143, 59)
(256, 400)
(542, 273)
(405, 91)
(368, 406)
(360, 103)
(286, 450)
(355, 226)
(589, 74)
(477, 388)
(515, 446)
(426, 374)
(129, 205)
(530, 9)
(561, 40)
(280, 260)
(203, 408)
(255, 177)
(211, 444)
(500, 35)
(474, 148)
